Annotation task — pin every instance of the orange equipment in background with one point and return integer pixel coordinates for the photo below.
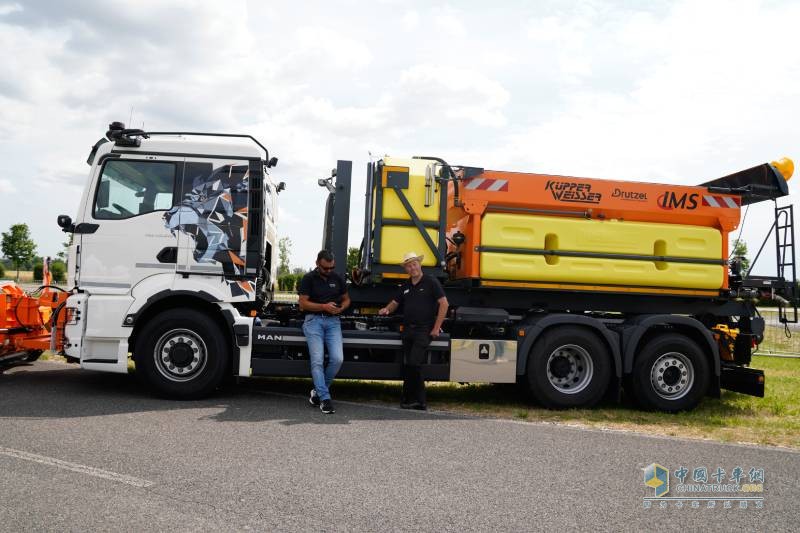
(30, 323)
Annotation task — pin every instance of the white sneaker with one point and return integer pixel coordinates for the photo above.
(313, 398)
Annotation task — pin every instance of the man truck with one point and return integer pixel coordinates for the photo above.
(575, 288)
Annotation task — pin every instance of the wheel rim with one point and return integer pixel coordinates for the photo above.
(570, 369)
(672, 375)
(180, 355)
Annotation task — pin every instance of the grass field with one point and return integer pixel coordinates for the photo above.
(25, 276)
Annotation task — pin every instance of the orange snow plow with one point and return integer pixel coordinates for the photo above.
(30, 322)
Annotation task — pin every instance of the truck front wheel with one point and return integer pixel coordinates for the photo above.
(671, 373)
(568, 367)
(181, 354)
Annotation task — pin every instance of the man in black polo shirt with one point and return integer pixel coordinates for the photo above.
(323, 296)
(424, 308)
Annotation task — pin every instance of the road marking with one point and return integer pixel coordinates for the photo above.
(76, 467)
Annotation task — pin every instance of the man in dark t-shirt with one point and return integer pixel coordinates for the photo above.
(424, 309)
(323, 296)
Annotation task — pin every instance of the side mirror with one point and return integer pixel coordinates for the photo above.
(273, 162)
(281, 187)
(65, 223)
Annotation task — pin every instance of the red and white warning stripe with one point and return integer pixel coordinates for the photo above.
(486, 184)
(721, 201)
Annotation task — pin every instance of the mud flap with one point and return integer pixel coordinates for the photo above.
(745, 380)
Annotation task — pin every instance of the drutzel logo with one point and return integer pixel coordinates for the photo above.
(633, 196)
(567, 191)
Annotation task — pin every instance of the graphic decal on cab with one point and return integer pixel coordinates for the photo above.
(213, 212)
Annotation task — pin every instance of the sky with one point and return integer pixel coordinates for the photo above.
(673, 92)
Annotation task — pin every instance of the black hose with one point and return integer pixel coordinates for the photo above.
(49, 287)
(453, 177)
(16, 312)
(16, 315)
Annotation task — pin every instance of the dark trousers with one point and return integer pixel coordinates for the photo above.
(415, 343)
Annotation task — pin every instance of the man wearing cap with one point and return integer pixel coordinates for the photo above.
(424, 309)
(323, 296)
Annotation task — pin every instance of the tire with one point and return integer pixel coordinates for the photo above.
(181, 354)
(671, 374)
(568, 367)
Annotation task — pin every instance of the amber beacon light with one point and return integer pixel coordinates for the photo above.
(785, 167)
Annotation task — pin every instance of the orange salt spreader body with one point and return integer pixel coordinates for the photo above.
(30, 323)
(548, 231)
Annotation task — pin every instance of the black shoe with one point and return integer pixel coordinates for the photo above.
(314, 398)
(415, 406)
(326, 406)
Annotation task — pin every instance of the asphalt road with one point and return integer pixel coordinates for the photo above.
(83, 451)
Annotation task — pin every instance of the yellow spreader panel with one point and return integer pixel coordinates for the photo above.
(398, 240)
(393, 208)
(515, 267)
(605, 237)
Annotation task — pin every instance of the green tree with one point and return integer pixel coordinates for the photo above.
(18, 246)
(352, 258)
(285, 283)
(284, 255)
(740, 250)
(59, 271)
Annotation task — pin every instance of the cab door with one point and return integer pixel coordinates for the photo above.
(123, 238)
(219, 223)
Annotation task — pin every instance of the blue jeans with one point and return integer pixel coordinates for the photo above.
(323, 332)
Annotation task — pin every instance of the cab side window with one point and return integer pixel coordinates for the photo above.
(131, 188)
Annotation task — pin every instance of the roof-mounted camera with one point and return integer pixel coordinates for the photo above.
(122, 136)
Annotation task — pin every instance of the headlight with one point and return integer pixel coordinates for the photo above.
(71, 315)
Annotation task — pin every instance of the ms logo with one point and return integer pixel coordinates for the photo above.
(657, 476)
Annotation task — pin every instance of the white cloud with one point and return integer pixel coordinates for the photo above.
(410, 20)
(324, 48)
(566, 40)
(6, 9)
(679, 92)
(449, 21)
(431, 95)
(6, 186)
(706, 96)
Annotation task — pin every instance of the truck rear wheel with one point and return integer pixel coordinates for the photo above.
(671, 373)
(181, 354)
(568, 367)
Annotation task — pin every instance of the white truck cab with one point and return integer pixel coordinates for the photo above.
(171, 227)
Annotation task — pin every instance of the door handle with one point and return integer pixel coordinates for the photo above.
(168, 255)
